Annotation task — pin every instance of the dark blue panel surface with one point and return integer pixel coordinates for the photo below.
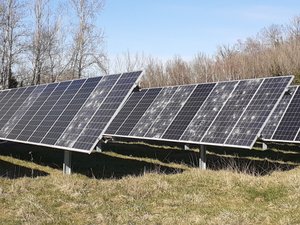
(100, 121)
(232, 111)
(187, 113)
(159, 104)
(276, 116)
(208, 111)
(127, 109)
(138, 111)
(168, 114)
(84, 115)
(15, 105)
(26, 112)
(70, 111)
(54, 113)
(247, 129)
(290, 123)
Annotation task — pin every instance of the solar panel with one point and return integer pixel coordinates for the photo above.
(276, 116)
(284, 125)
(225, 113)
(69, 115)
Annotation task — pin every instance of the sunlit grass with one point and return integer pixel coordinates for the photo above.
(232, 195)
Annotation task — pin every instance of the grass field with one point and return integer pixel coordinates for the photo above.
(145, 184)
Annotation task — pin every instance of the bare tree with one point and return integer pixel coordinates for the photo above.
(293, 28)
(127, 62)
(11, 35)
(87, 41)
(47, 48)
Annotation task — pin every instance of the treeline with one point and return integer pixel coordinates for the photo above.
(274, 51)
(47, 40)
(44, 41)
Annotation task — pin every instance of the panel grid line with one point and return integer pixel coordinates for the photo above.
(297, 134)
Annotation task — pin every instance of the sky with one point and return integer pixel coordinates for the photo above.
(164, 28)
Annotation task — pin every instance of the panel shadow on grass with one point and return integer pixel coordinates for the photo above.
(100, 166)
(218, 158)
(13, 171)
(104, 166)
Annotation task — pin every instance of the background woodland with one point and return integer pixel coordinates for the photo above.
(42, 42)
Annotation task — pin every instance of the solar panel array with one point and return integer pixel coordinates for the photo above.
(226, 113)
(284, 124)
(69, 115)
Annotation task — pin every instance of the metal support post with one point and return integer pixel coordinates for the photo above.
(98, 148)
(202, 157)
(264, 146)
(186, 147)
(67, 163)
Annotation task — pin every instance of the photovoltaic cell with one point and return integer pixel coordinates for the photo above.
(70, 111)
(38, 107)
(82, 118)
(50, 119)
(14, 105)
(3, 94)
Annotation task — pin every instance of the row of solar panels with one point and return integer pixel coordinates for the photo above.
(225, 113)
(69, 115)
(75, 115)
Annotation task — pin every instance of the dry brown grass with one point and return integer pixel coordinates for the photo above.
(192, 197)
